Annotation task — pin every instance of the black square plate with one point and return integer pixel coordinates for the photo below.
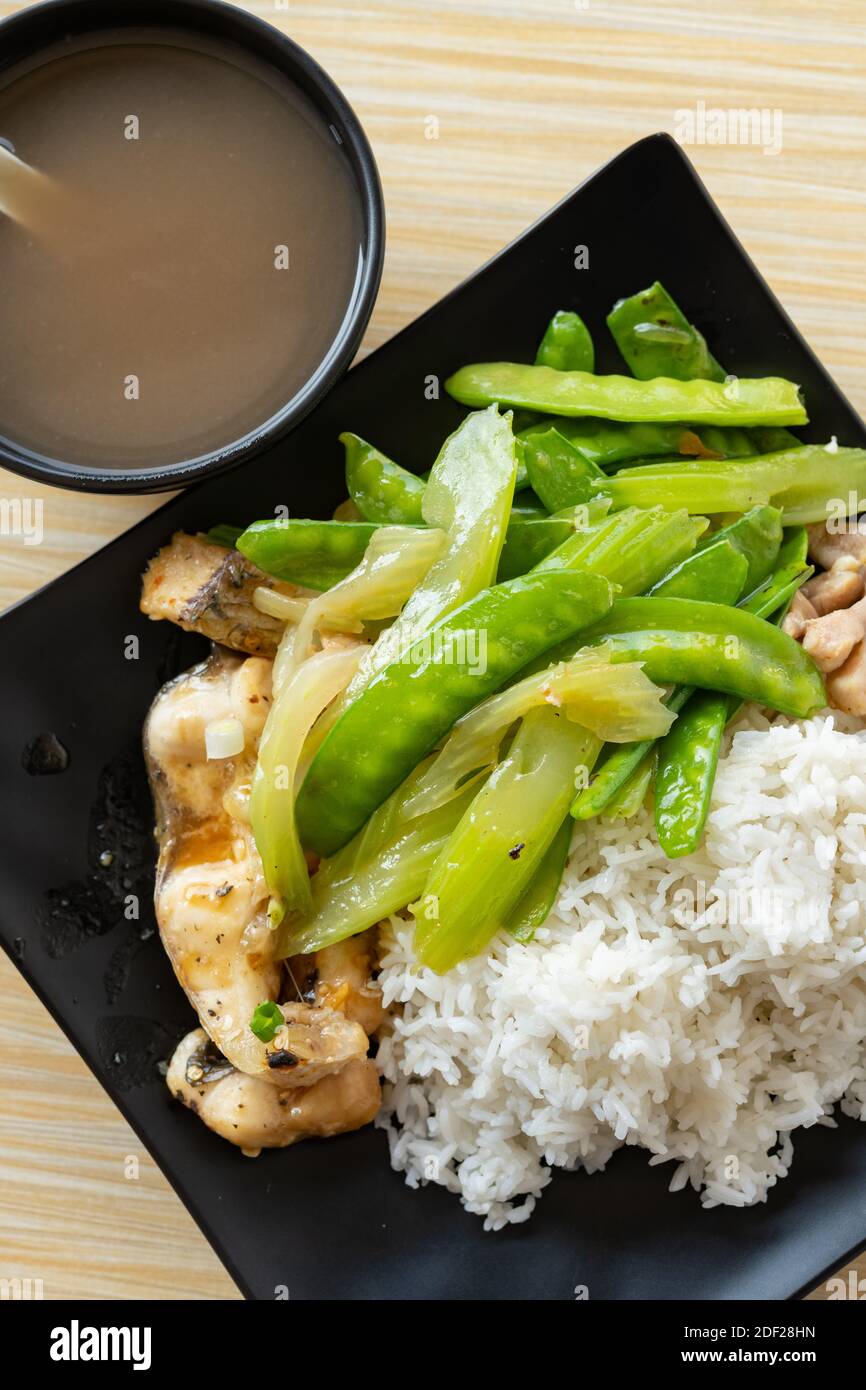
(330, 1219)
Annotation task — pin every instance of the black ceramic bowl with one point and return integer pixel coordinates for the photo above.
(23, 35)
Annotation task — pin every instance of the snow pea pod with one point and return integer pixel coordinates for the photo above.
(711, 646)
(759, 401)
(319, 554)
(687, 759)
(792, 569)
(315, 554)
(386, 492)
(632, 794)
(718, 572)
(411, 702)
(607, 443)
(225, 535)
(534, 908)
(656, 339)
(567, 344)
(529, 539)
(689, 753)
(622, 763)
(757, 535)
(381, 489)
(558, 473)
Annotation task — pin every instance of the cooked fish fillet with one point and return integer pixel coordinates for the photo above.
(205, 588)
(255, 1116)
(211, 897)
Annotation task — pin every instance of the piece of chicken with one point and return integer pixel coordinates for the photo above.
(207, 589)
(826, 547)
(846, 687)
(211, 897)
(830, 640)
(835, 588)
(256, 1116)
(798, 615)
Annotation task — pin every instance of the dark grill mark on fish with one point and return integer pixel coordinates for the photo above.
(282, 1059)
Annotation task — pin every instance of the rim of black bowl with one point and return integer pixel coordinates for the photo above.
(24, 33)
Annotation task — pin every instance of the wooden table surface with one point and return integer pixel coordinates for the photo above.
(530, 97)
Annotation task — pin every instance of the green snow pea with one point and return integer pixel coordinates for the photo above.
(567, 344)
(687, 759)
(708, 645)
(757, 534)
(529, 539)
(381, 489)
(318, 554)
(622, 763)
(805, 482)
(762, 401)
(225, 535)
(534, 908)
(771, 439)
(315, 554)
(607, 443)
(656, 338)
(409, 703)
(792, 569)
(632, 794)
(558, 473)
(689, 753)
(718, 572)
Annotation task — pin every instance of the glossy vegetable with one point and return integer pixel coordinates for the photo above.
(395, 562)
(608, 443)
(632, 794)
(493, 854)
(531, 537)
(380, 871)
(381, 490)
(792, 569)
(558, 472)
(295, 708)
(617, 703)
(764, 401)
(632, 549)
(534, 908)
(314, 554)
(468, 496)
(686, 770)
(714, 647)
(757, 535)
(409, 704)
(567, 345)
(656, 339)
(807, 483)
(619, 766)
(689, 755)
(716, 573)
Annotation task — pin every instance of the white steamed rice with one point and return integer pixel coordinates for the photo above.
(702, 1008)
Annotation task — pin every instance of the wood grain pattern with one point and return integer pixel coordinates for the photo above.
(530, 97)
